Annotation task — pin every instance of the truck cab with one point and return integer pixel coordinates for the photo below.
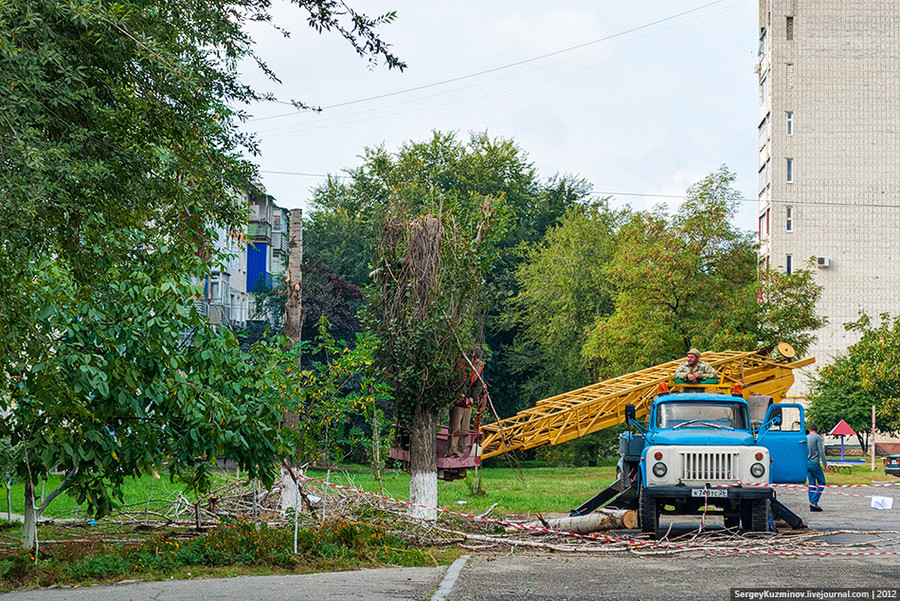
(698, 451)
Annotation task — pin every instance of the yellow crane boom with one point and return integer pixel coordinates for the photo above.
(579, 412)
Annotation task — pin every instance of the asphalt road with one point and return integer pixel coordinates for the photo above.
(848, 523)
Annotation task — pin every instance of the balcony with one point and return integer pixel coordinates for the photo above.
(259, 232)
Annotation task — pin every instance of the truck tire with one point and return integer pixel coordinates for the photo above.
(759, 515)
(648, 513)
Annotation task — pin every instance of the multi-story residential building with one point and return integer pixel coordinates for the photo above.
(268, 246)
(227, 286)
(829, 155)
(257, 257)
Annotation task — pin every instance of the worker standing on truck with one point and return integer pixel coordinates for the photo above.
(816, 461)
(695, 371)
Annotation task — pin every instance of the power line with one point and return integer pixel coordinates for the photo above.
(795, 201)
(344, 120)
(500, 68)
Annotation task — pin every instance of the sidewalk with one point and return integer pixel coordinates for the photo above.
(382, 584)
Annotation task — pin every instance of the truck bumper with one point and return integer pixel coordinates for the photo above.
(731, 493)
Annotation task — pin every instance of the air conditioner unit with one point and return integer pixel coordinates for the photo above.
(823, 262)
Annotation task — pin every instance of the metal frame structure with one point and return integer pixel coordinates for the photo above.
(586, 410)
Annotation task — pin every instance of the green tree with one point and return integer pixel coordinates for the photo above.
(108, 385)
(786, 311)
(430, 269)
(346, 215)
(120, 156)
(869, 374)
(691, 280)
(563, 290)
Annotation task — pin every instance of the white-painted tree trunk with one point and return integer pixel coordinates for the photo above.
(290, 493)
(423, 464)
(423, 492)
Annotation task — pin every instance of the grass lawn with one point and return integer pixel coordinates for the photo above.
(516, 491)
(135, 490)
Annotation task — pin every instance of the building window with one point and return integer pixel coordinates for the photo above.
(763, 89)
(764, 176)
(762, 133)
(788, 267)
(790, 170)
(789, 29)
(790, 75)
(764, 225)
(790, 124)
(789, 218)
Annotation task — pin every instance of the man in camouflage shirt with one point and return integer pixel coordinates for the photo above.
(694, 370)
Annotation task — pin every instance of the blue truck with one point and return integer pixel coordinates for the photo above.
(708, 448)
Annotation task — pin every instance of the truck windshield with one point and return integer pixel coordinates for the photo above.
(681, 414)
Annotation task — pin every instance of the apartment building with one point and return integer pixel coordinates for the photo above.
(227, 286)
(257, 257)
(268, 246)
(829, 155)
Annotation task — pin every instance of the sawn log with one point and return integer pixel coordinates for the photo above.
(600, 519)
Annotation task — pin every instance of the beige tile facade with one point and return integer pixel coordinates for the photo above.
(829, 154)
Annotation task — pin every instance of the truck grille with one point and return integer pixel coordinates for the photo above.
(709, 466)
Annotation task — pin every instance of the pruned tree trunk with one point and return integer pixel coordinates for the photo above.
(293, 309)
(376, 447)
(423, 463)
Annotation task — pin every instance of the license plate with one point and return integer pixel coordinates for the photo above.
(709, 493)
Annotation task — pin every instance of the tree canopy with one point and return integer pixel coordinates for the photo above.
(563, 290)
(454, 177)
(120, 156)
(869, 374)
(691, 279)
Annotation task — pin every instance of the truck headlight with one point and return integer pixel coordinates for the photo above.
(659, 469)
(757, 469)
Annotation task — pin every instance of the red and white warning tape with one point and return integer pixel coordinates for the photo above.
(606, 539)
(825, 488)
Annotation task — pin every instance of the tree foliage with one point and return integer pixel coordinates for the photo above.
(691, 280)
(869, 374)
(120, 156)
(329, 395)
(453, 176)
(120, 383)
(426, 303)
(563, 290)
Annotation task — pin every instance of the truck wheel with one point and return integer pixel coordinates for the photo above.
(648, 513)
(759, 515)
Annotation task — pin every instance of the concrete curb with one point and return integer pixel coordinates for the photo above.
(446, 586)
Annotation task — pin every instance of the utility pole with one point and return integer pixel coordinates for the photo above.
(293, 309)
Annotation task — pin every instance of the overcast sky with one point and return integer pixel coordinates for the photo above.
(639, 98)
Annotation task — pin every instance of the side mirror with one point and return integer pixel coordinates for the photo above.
(630, 413)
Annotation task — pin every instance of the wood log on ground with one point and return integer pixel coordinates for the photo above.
(601, 519)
